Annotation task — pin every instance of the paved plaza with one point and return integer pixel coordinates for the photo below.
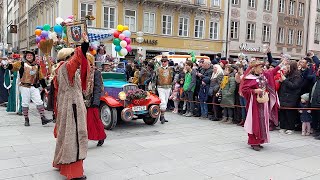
(183, 149)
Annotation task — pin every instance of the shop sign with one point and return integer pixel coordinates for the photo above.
(146, 41)
(245, 47)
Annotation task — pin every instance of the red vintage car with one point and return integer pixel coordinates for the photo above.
(115, 105)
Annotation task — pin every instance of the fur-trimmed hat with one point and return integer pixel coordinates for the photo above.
(65, 54)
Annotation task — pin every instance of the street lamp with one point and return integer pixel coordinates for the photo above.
(140, 40)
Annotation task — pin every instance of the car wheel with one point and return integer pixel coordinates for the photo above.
(150, 120)
(108, 116)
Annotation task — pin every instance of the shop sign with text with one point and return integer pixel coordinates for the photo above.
(146, 41)
(245, 47)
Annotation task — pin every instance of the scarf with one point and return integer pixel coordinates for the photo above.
(224, 82)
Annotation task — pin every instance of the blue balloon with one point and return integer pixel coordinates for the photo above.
(39, 27)
(58, 29)
(127, 33)
(118, 48)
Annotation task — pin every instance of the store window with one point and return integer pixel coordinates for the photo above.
(199, 28)
(109, 17)
(183, 27)
(130, 20)
(167, 25)
(149, 22)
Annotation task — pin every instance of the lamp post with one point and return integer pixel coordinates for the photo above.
(140, 40)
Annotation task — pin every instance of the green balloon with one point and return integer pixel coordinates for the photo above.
(120, 54)
(46, 27)
(65, 29)
(116, 41)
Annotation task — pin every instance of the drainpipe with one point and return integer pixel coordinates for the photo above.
(308, 25)
(227, 36)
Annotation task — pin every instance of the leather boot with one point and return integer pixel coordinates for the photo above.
(26, 122)
(45, 121)
(162, 120)
(100, 142)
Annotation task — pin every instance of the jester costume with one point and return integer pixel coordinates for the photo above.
(11, 82)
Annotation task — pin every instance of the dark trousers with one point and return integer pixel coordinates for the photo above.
(217, 110)
(288, 119)
(189, 97)
(315, 120)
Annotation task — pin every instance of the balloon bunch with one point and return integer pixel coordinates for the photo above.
(42, 33)
(60, 27)
(122, 40)
(93, 47)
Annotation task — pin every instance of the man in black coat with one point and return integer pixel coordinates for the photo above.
(315, 103)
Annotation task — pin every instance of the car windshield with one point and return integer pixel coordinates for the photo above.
(118, 67)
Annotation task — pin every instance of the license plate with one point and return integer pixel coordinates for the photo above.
(139, 108)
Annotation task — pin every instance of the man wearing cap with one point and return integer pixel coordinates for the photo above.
(164, 77)
(30, 79)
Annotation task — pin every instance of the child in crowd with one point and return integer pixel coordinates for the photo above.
(305, 115)
(175, 97)
(203, 97)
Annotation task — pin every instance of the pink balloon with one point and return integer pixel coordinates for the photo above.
(70, 17)
(122, 36)
(128, 40)
(129, 48)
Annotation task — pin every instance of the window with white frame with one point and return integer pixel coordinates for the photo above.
(199, 28)
(267, 5)
(130, 19)
(251, 31)
(282, 5)
(317, 34)
(109, 17)
(318, 4)
(200, 2)
(290, 36)
(266, 33)
(281, 35)
(235, 2)
(215, 3)
(291, 7)
(86, 9)
(252, 3)
(183, 26)
(299, 38)
(301, 9)
(149, 20)
(214, 30)
(167, 25)
(234, 29)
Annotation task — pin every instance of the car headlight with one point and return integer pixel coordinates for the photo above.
(122, 96)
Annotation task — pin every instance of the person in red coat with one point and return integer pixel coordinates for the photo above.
(258, 82)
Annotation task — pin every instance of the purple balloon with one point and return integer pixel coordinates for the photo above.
(38, 38)
(44, 34)
(128, 40)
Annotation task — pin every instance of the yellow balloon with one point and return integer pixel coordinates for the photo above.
(120, 28)
(125, 28)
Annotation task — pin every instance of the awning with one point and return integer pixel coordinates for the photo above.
(96, 34)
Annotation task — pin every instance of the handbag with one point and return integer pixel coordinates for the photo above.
(263, 98)
(219, 97)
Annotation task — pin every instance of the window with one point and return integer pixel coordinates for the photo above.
(282, 5)
(130, 19)
(214, 30)
(86, 9)
(166, 25)
(149, 22)
(281, 35)
(199, 28)
(183, 27)
(267, 5)
(318, 4)
(317, 34)
(299, 38)
(235, 2)
(266, 33)
(251, 28)
(215, 2)
(290, 36)
(252, 3)
(301, 9)
(109, 17)
(234, 31)
(291, 7)
(200, 2)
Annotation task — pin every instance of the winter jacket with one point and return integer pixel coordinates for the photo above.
(228, 92)
(309, 78)
(215, 85)
(289, 92)
(204, 90)
(190, 81)
(315, 95)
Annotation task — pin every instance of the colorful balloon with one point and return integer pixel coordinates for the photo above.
(116, 41)
(125, 28)
(59, 20)
(39, 27)
(44, 34)
(38, 38)
(38, 32)
(46, 27)
(122, 36)
(70, 17)
(116, 34)
(120, 28)
(58, 29)
(124, 51)
(127, 33)
(123, 44)
(93, 52)
(129, 48)
(128, 40)
(119, 53)
(117, 48)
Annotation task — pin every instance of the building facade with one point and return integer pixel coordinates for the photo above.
(178, 26)
(314, 27)
(281, 24)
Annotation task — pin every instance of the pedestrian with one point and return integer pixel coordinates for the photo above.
(227, 90)
(203, 97)
(31, 77)
(175, 97)
(164, 78)
(215, 82)
(189, 87)
(92, 96)
(305, 115)
(71, 126)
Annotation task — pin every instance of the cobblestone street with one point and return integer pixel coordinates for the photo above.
(184, 148)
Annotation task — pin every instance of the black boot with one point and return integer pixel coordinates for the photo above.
(26, 122)
(45, 121)
(162, 120)
(53, 118)
(80, 178)
(100, 142)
